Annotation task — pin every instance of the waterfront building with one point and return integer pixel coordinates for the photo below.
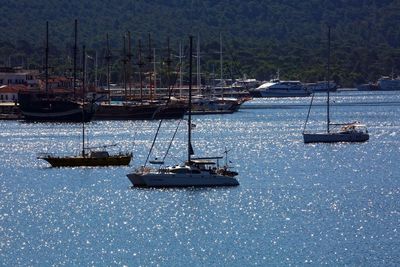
(19, 76)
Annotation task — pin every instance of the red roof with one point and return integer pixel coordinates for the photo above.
(15, 88)
(60, 91)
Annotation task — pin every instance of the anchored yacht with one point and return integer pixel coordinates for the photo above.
(278, 88)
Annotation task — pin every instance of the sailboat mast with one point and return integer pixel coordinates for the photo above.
(221, 65)
(198, 65)
(83, 98)
(140, 64)
(190, 102)
(108, 59)
(150, 59)
(328, 77)
(47, 61)
(220, 55)
(124, 61)
(180, 69)
(75, 53)
(154, 73)
(168, 61)
(95, 70)
(129, 59)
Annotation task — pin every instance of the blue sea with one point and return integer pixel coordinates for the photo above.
(297, 204)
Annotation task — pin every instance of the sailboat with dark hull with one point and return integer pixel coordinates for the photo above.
(125, 111)
(346, 132)
(134, 110)
(91, 159)
(335, 132)
(195, 172)
(89, 156)
(46, 106)
(42, 107)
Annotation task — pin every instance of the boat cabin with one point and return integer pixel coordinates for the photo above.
(354, 127)
(99, 154)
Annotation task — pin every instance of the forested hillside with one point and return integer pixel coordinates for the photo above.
(259, 36)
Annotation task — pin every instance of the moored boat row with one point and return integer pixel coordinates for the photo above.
(385, 83)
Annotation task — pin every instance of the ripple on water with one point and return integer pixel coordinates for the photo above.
(297, 204)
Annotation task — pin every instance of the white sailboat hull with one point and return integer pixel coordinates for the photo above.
(195, 172)
(335, 137)
(180, 180)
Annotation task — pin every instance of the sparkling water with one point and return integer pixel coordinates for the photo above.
(297, 204)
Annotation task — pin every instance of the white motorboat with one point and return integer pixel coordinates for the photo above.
(278, 88)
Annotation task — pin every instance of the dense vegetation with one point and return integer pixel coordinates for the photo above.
(259, 36)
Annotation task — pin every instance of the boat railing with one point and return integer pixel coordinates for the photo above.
(143, 170)
(42, 155)
(350, 127)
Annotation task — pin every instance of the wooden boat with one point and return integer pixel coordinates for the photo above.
(93, 158)
(135, 110)
(89, 156)
(49, 107)
(145, 110)
(41, 107)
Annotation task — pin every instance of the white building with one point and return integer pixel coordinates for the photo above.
(9, 93)
(10, 76)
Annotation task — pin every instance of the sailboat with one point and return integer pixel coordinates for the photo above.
(195, 172)
(135, 110)
(36, 105)
(207, 102)
(89, 156)
(335, 132)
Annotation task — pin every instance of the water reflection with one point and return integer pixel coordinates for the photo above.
(297, 204)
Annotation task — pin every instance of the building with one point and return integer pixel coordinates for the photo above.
(9, 93)
(18, 76)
